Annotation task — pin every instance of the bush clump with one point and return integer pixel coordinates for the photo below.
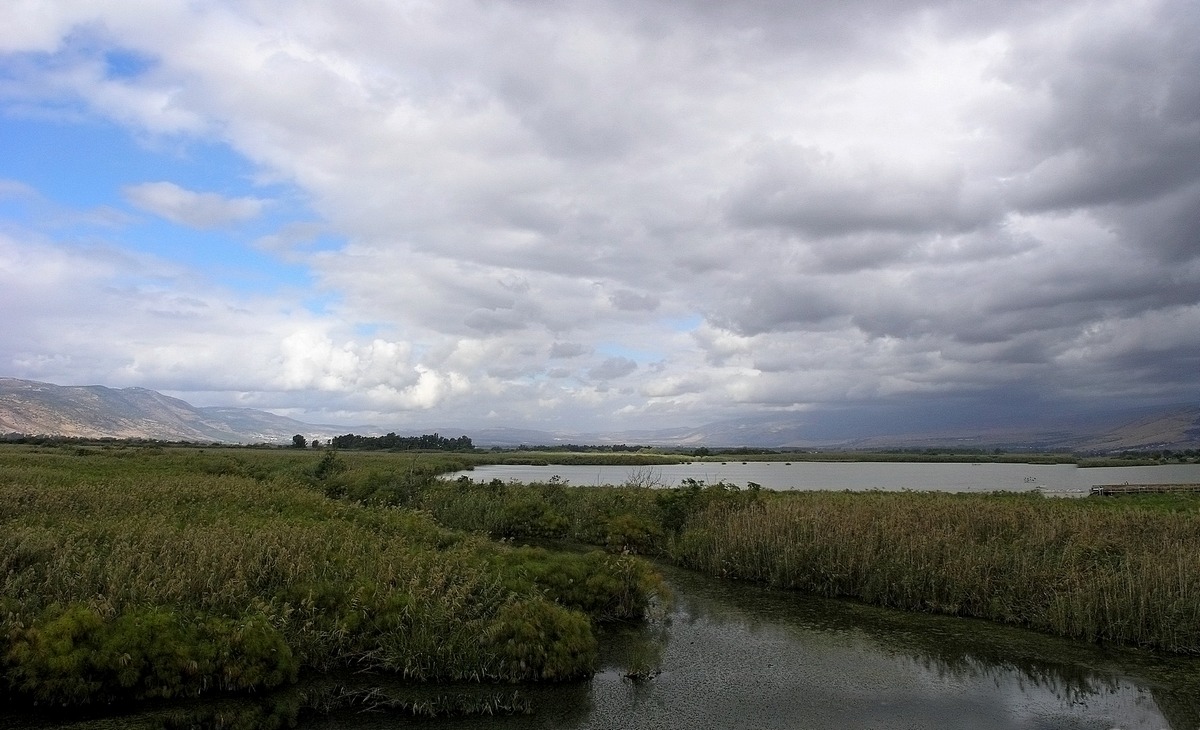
(76, 656)
(538, 640)
(605, 587)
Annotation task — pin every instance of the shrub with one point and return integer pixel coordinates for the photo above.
(629, 533)
(530, 517)
(77, 656)
(606, 587)
(537, 640)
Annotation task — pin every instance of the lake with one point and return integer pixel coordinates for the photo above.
(891, 476)
(729, 655)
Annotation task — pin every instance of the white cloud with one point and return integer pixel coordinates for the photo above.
(567, 350)
(16, 189)
(189, 208)
(613, 368)
(878, 200)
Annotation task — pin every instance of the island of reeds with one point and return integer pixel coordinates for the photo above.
(139, 572)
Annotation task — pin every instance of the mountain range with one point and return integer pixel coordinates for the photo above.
(34, 408)
(95, 411)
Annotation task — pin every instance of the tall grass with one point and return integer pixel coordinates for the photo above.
(1107, 570)
(1070, 567)
(177, 572)
(622, 519)
(168, 572)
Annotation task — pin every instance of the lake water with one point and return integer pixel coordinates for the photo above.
(729, 655)
(893, 476)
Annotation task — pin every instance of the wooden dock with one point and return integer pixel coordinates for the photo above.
(1116, 490)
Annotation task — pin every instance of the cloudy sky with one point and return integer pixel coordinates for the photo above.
(605, 214)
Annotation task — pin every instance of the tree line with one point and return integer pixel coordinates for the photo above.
(392, 442)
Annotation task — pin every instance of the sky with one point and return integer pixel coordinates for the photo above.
(594, 215)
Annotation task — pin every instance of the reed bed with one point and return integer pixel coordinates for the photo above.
(129, 576)
(1069, 567)
(151, 572)
(1120, 571)
(629, 519)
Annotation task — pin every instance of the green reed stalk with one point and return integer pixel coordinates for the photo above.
(179, 572)
(1064, 566)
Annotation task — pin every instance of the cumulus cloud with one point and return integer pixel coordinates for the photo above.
(613, 368)
(817, 194)
(189, 208)
(632, 301)
(774, 206)
(564, 350)
(179, 334)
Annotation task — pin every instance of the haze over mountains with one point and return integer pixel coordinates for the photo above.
(36, 408)
(94, 411)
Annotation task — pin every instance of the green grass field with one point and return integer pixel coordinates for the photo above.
(131, 573)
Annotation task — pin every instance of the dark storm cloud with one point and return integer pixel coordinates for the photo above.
(1168, 225)
(631, 301)
(808, 191)
(567, 350)
(779, 305)
(1119, 123)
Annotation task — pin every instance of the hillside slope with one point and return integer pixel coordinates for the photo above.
(95, 411)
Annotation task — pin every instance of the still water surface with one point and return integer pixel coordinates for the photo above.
(892, 476)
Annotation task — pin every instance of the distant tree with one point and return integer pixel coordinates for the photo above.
(392, 442)
(299, 442)
(316, 444)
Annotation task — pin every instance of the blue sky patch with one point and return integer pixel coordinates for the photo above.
(79, 169)
(121, 63)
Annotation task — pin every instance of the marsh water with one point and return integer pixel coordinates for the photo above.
(728, 655)
(890, 476)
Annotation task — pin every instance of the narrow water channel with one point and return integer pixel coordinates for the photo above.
(729, 655)
(738, 656)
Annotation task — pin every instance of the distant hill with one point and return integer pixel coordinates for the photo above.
(1175, 429)
(94, 411)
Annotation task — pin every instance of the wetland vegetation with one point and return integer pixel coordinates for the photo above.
(136, 573)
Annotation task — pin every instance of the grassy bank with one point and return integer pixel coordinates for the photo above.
(1108, 570)
(156, 573)
(1069, 567)
(1123, 570)
(137, 573)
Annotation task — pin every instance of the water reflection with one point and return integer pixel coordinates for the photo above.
(738, 656)
(1065, 479)
(931, 671)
